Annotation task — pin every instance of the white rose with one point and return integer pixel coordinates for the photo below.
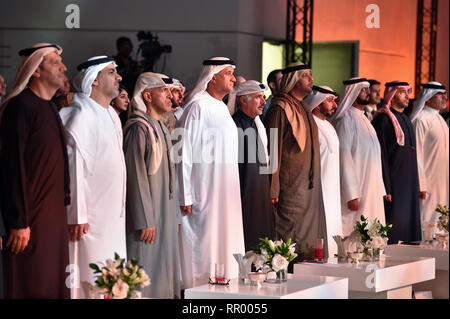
(279, 262)
(120, 290)
(368, 244)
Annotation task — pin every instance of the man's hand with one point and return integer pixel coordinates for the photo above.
(1, 243)
(353, 204)
(77, 231)
(388, 198)
(18, 240)
(148, 235)
(423, 195)
(274, 201)
(186, 210)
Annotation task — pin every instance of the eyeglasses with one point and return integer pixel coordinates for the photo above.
(365, 90)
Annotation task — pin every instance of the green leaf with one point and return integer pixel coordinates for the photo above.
(95, 267)
(116, 256)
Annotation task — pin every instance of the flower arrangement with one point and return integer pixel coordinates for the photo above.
(274, 256)
(119, 280)
(373, 233)
(443, 218)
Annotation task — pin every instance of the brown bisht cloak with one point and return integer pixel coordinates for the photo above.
(300, 212)
(34, 191)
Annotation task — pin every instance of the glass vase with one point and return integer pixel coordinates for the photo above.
(372, 254)
(282, 275)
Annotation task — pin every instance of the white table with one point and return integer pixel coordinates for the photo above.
(296, 287)
(440, 285)
(390, 278)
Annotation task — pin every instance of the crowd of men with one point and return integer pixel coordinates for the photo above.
(184, 182)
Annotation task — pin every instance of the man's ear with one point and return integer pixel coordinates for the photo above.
(146, 96)
(37, 73)
(272, 85)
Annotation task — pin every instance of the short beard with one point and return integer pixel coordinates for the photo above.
(362, 102)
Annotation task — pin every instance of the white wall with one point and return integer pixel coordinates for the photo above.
(196, 29)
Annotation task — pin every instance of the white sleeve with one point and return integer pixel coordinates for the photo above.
(350, 185)
(191, 143)
(77, 210)
(420, 131)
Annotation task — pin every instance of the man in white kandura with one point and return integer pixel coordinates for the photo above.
(208, 178)
(321, 102)
(432, 138)
(96, 216)
(362, 187)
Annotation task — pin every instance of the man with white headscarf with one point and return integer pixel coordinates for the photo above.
(432, 135)
(208, 178)
(34, 179)
(257, 214)
(153, 214)
(399, 161)
(96, 215)
(362, 188)
(295, 186)
(321, 102)
(177, 89)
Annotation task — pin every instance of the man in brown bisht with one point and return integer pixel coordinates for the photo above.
(295, 186)
(34, 179)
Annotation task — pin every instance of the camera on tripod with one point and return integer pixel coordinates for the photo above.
(150, 49)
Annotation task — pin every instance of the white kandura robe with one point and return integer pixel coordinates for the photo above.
(361, 171)
(432, 138)
(214, 230)
(98, 182)
(331, 188)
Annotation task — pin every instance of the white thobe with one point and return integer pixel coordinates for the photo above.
(331, 189)
(432, 139)
(214, 230)
(98, 181)
(361, 171)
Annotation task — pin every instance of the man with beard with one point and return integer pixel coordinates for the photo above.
(400, 175)
(177, 92)
(97, 171)
(362, 187)
(296, 189)
(273, 81)
(322, 103)
(153, 215)
(34, 179)
(374, 99)
(432, 137)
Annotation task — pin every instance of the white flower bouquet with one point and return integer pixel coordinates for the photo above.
(373, 236)
(274, 256)
(119, 279)
(373, 233)
(443, 217)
